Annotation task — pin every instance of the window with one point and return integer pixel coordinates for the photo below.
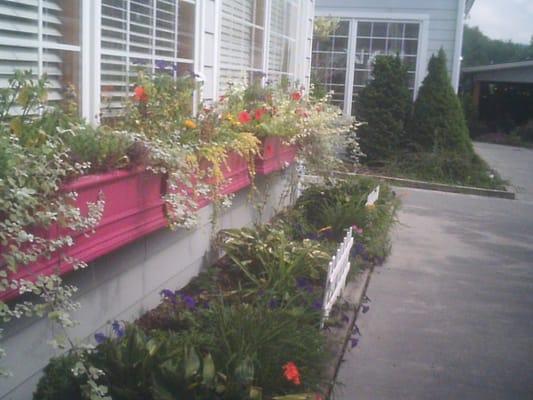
(330, 57)
(332, 64)
(150, 34)
(282, 39)
(42, 36)
(242, 41)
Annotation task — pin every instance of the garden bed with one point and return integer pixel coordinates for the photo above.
(248, 327)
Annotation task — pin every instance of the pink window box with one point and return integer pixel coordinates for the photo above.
(236, 176)
(275, 155)
(133, 208)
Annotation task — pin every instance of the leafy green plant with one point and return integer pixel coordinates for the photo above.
(254, 342)
(383, 106)
(270, 262)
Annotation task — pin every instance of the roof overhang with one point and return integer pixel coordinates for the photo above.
(468, 7)
(499, 67)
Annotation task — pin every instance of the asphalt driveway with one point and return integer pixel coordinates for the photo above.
(451, 313)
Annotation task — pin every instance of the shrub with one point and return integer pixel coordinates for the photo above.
(58, 382)
(438, 121)
(383, 106)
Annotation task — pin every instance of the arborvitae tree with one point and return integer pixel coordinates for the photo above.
(438, 122)
(383, 106)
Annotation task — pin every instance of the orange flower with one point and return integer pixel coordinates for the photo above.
(140, 94)
(244, 117)
(291, 373)
(189, 123)
(296, 96)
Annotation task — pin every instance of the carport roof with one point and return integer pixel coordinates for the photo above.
(499, 67)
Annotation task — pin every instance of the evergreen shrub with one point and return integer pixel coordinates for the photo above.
(383, 106)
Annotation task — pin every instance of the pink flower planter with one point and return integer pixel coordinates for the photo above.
(133, 208)
(275, 155)
(236, 176)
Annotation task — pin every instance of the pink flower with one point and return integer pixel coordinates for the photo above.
(357, 230)
(296, 96)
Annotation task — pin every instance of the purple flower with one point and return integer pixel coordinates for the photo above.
(317, 304)
(365, 308)
(354, 342)
(168, 294)
(161, 65)
(189, 301)
(358, 249)
(100, 337)
(356, 330)
(118, 328)
(304, 284)
(273, 303)
(345, 318)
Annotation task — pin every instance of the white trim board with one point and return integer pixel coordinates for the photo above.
(460, 24)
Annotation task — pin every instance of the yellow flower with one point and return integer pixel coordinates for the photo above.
(189, 123)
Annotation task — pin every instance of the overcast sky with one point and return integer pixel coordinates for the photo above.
(504, 19)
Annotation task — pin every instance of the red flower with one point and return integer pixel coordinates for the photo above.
(259, 113)
(244, 117)
(140, 94)
(296, 96)
(291, 373)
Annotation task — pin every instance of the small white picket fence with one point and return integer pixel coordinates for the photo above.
(339, 266)
(338, 269)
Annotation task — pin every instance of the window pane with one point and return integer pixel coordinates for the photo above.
(395, 30)
(364, 29)
(186, 30)
(379, 29)
(411, 31)
(395, 46)
(63, 70)
(379, 46)
(411, 47)
(61, 21)
(363, 45)
(340, 44)
(343, 28)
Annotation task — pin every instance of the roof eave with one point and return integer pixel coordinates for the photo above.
(468, 7)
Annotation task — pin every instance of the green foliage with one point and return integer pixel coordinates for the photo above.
(254, 342)
(447, 167)
(333, 207)
(103, 149)
(58, 382)
(270, 262)
(479, 49)
(383, 106)
(164, 366)
(438, 122)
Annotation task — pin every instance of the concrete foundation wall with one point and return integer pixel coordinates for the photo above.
(124, 284)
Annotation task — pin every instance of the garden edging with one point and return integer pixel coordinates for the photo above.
(441, 187)
(338, 337)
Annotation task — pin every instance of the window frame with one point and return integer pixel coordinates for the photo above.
(405, 18)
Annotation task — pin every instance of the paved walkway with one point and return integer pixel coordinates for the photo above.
(451, 313)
